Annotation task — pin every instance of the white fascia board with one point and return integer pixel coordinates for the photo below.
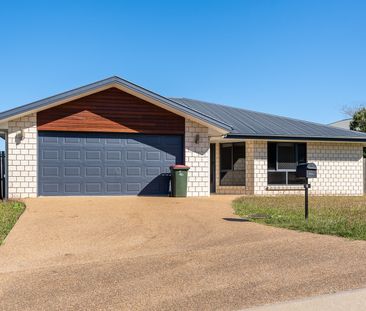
(218, 139)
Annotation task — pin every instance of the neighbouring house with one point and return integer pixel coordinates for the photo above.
(113, 137)
(343, 124)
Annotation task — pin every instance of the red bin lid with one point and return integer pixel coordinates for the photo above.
(180, 166)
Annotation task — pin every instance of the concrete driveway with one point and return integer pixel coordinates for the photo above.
(136, 253)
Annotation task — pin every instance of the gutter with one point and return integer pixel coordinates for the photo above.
(301, 138)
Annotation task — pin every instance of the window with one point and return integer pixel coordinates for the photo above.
(232, 164)
(282, 161)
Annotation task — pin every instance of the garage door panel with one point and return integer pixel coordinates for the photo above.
(133, 187)
(50, 171)
(113, 142)
(113, 188)
(72, 171)
(113, 171)
(71, 141)
(152, 171)
(106, 164)
(152, 155)
(50, 154)
(133, 172)
(72, 188)
(49, 140)
(72, 155)
(93, 188)
(113, 155)
(93, 155)
(92, 141)
(93, 171)
(133, 155)
(51, 188)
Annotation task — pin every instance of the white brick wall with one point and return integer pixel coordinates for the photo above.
(257, 166)
(22, 157)
(197, 157)
(340, 170)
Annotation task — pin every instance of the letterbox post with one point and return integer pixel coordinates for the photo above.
(306, 171)
(306, 186)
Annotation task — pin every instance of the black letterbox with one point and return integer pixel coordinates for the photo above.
(306, 170)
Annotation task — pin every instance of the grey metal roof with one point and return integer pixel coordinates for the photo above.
(238, 123)
(37, 105)
(251, 124)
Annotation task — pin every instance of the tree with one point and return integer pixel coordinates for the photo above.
(350, 110)
(358, 122)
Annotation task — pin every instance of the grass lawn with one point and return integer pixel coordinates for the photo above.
(9, 214)
(342, 216)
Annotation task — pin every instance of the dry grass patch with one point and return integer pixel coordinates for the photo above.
(341, 216)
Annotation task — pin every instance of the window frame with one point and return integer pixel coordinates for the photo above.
(296, 157)
(221, 170)
(231, 160)
(286, 171)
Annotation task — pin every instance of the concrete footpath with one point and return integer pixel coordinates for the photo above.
(353, 300)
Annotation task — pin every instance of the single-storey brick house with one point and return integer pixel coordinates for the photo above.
(113, 137)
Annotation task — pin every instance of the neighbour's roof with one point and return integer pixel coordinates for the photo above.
(252, 124)
(235, 122)
(343, 124)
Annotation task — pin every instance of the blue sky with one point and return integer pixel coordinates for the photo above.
(304, 59)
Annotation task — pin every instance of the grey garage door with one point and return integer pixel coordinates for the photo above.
(106, 164)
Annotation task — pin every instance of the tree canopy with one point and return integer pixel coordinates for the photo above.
(358, 122)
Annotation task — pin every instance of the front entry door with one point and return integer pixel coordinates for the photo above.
(212, 168)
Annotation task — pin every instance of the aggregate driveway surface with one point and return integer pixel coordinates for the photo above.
(138, 253)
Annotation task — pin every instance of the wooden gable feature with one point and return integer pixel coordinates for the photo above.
(111, 110)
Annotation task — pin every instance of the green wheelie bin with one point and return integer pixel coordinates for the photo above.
(179, 180)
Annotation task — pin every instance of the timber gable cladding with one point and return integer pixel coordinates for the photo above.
(111, 110)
